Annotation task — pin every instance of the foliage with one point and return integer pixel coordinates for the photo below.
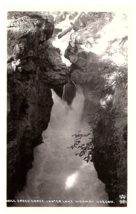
(107, 143)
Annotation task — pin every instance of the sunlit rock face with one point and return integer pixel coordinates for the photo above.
(97, 51)
(27, 47)
(60, 16)
(33, 67)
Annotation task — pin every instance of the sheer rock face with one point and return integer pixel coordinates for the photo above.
(33, 68)
(98, 53)
(30, 107)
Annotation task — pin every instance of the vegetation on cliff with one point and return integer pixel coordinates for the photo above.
(98, 52)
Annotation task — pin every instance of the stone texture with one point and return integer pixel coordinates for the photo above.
(98, 53)
(33, 68)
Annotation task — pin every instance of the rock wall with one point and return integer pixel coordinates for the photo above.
(98, 53)
(33, 68)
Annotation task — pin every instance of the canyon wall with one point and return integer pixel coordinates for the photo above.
(98, 53)
(33, 68)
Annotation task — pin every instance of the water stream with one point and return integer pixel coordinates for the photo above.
(58, 177)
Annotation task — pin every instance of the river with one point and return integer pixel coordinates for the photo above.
(58, 177)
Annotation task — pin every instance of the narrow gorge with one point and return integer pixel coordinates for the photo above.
(67, 109)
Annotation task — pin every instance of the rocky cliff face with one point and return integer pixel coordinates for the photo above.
(34, 67)
(98, 53)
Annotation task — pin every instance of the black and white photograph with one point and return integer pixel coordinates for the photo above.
(67, 99)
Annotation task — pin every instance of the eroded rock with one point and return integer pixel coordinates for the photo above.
(98, 53)
(33, 69)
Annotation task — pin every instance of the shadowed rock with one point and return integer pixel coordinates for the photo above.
(69, 92)
(98, 53)
(33, 68)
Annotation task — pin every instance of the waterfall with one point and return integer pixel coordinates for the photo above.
(58, 177)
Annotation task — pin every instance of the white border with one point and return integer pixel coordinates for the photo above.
(64, 7)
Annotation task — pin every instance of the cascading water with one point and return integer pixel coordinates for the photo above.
(58, 177)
